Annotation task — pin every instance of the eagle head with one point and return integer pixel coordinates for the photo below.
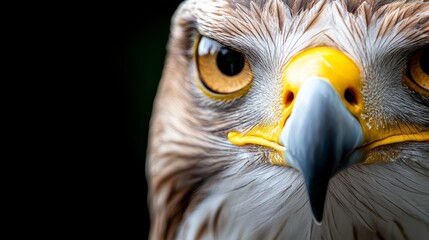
(292, 119)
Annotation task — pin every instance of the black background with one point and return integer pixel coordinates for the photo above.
(83, 79)
(114, 56)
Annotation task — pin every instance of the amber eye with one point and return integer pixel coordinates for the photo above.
(418, 70)
(222, 70)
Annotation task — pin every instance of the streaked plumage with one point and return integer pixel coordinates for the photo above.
(203, 186)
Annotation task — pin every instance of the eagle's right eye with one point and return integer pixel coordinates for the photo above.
(222, 70)
(418, 70)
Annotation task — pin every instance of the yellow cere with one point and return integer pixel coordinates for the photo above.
(329, 64)
(336, 68)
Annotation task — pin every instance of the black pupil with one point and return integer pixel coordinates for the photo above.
(424, 60)
(229, 61)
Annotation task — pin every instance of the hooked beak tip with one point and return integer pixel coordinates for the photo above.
(317, 194)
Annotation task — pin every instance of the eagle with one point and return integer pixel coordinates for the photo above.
(292, 119)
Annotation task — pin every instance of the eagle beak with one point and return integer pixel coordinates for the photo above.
(320, 134)
(323, 129)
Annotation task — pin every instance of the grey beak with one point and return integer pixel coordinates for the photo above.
(319, 136)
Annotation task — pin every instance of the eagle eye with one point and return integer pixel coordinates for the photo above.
(418, 70)
(222, 70)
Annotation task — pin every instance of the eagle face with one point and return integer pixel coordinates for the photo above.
(292, 119)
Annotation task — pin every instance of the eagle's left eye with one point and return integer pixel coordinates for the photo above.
(418, 70)
(222, 70)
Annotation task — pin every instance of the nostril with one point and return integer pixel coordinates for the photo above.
(350, 96)
(289, 98)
